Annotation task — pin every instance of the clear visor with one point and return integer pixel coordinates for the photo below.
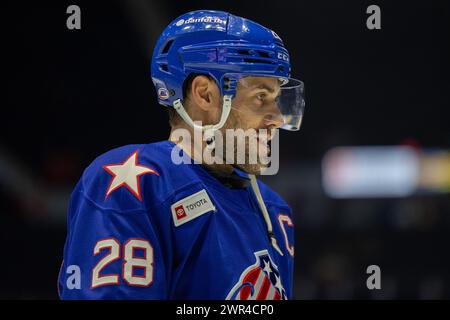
(277, 100)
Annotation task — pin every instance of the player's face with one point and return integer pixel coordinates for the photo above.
(255, 107)
(256, 103)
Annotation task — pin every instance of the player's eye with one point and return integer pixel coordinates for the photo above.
(261, 96)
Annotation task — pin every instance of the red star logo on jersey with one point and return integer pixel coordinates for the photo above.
(127, 174)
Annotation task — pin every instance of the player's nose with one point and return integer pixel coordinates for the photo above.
(274, 118)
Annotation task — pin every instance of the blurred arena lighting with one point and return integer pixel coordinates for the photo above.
(384, 171)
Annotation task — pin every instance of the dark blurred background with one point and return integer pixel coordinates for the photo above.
(70, 95)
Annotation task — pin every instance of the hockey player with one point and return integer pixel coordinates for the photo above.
(144, 226)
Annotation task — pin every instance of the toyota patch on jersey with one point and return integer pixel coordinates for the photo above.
(191, 207)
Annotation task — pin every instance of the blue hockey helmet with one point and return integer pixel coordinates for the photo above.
(227, 48)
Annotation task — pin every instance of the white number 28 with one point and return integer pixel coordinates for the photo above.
(130, 263)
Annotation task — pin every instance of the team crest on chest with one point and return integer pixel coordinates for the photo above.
(260, 281)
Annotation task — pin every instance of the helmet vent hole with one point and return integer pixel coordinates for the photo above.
(263, 54)
(164, 67)
(249, 60)
(167, 46)
(246, 52)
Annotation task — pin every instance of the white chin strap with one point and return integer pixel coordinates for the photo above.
(208, 130)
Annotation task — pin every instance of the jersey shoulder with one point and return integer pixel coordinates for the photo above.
(136, 176)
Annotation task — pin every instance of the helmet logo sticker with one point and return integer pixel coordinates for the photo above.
(283, 56)
(163, 93)
(205, 19)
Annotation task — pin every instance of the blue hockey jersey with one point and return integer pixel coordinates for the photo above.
(143, 227)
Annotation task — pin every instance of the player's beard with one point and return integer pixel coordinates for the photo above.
(235, 122)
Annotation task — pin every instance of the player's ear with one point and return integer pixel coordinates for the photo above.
(204, 92)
